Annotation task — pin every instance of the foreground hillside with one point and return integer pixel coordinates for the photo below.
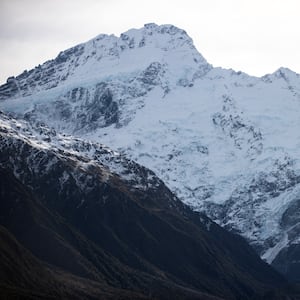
(80, 221)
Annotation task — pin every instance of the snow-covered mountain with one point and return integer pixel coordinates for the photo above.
(225, 142)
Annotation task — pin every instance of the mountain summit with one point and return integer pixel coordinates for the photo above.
(156, 50)
(226, 143)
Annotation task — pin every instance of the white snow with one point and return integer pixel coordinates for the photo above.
(271, 253)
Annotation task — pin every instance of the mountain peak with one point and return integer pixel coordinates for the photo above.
(165, 36)
(165, 28)
(282, 73)
(149, 35)
(108, 56)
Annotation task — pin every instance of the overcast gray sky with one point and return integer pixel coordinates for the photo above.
(254, 36)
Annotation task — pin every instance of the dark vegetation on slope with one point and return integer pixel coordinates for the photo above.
(61, 262)
(156, 252)
(93, 234)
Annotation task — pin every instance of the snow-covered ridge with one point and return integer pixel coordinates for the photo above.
(15, 135)
(108, 74)
(108, 56)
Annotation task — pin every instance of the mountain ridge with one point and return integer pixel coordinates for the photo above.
(86, 57)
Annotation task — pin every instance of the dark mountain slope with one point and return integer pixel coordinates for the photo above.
(24, 276)
(114, 222)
